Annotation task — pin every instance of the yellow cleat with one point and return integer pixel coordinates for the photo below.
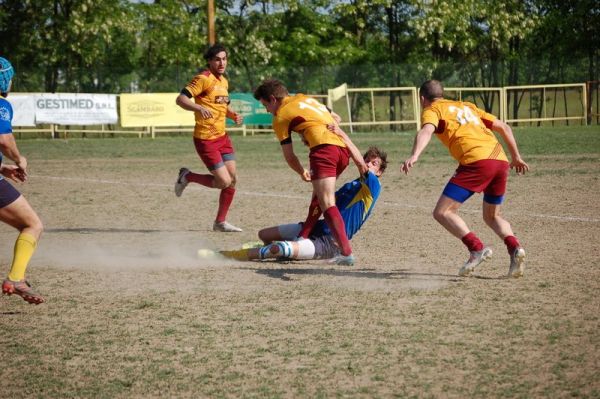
(237, 254)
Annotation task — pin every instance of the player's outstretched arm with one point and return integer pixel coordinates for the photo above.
(354, 151)
(293, 161)
(506, 132)
(8, 147)
(186, 103)
(421, 140)
(234, 116)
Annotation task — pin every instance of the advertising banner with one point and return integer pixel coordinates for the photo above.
(139, 110)
(253, 111)
(76, 109)
(23, 109)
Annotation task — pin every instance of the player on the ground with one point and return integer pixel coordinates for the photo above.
(210, 105)
(355, 200)
(14, 208)
(483, 167)
(329, 155)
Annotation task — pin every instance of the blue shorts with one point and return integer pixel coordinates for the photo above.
(461, 194)
(8, 194)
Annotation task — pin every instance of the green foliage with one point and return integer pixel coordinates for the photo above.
(123, 45)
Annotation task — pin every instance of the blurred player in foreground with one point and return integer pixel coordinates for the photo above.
(14, 208)
(329, 155)
(483, 166)
(355, 200)
(209, 89)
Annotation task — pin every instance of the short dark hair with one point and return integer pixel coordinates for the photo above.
(271, 87)
(374, 152)
(213, 50)
(431, 90)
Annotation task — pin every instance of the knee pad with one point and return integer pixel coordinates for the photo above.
(306, 249)
(282, 248)
(275, 250)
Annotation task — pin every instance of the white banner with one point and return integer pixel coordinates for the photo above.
(76, 109)
(23, 108)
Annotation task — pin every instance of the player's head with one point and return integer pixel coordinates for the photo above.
(376, 160)
(270, 93)
(6, 74)
(216, 58)
(431, 90)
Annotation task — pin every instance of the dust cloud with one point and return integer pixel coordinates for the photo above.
(122, 251)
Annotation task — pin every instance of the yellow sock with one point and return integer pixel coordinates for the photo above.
(24, 249)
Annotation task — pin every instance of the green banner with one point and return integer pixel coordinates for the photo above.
(253, 111)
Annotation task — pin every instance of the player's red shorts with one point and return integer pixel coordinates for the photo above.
(327, 160)
(214, 153)
(487, 175)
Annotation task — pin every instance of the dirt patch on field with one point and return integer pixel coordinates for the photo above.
(133, 312)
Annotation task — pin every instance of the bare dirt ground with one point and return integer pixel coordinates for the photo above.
(132, 312)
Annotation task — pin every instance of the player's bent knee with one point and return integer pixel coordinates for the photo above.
(264, 236)
(439, 215)
(222, 183)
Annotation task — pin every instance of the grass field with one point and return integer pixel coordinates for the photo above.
(132, 312)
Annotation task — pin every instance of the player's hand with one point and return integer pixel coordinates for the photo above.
(22, 166)
(205, 113)
(408, 164)
(305, 175)
(519, 166)
(13, 173)
(238, 119)
(336, 117)
(334, 128)
(362, 167)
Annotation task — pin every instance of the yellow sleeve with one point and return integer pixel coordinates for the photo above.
(282, 128)
(196, 85)
(430, 116)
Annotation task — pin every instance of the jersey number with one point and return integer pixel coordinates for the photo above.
(464, 115)
(312, 104)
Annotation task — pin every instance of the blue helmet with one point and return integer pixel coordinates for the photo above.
(6, 74)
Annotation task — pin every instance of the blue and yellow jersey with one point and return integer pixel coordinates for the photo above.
(6, 115)
(307, 117)
(464, 129)
(356, 200)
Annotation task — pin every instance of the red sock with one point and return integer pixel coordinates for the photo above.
(225, 200)
(205, 180)
(472, 242)
(314, 213)
(336, 224)
(511, 244)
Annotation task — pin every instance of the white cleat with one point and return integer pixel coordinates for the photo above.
(343, 260)
(181, 182)
(476, 258)
(517, 263)
(225, 227)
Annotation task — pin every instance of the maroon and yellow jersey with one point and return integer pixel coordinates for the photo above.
(464, 129)
(211, 93)
(307, 117)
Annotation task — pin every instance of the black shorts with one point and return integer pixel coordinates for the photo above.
(8, 194)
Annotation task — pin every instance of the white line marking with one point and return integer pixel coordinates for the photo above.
(565, 218)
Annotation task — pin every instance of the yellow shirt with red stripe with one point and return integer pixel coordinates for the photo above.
(307, 117)
(464, 129)
(211, 93)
